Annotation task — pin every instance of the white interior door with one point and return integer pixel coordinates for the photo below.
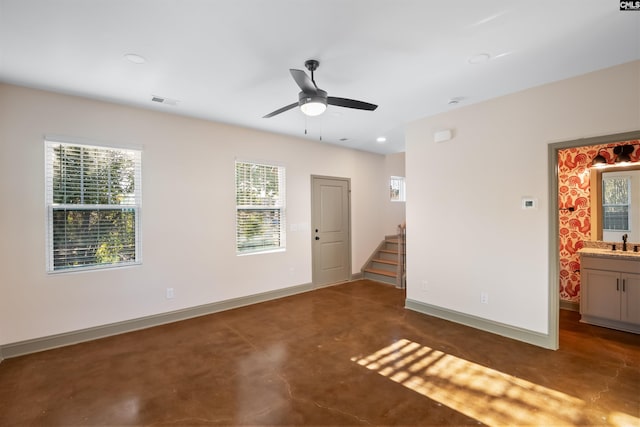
(330, 222)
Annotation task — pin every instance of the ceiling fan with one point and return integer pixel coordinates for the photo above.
(313, 100)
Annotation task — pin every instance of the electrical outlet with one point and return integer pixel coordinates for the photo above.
(484, 298)
(170, 294)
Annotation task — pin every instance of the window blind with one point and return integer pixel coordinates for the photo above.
(93, 200)
(616, 193)
(260, 207)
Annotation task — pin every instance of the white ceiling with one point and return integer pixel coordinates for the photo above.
(229, 60)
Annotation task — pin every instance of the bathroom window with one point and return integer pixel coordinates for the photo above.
(93, 200)
(260, 207)
(397, 189)
(616, 201)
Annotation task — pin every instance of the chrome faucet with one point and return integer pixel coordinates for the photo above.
(624, 242)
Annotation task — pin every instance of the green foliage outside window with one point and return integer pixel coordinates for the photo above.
(259, 207)
(615, 203)
(93, 206)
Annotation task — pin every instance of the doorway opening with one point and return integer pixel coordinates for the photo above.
(569, 219)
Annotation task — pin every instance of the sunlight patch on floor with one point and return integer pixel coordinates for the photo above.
(489, 396)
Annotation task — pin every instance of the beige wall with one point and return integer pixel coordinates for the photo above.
(188, 216)
(467, 233)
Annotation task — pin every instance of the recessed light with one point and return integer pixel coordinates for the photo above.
(381, 139)
(135, 58)
(479, 58)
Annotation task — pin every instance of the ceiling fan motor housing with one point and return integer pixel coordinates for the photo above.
(320, 97)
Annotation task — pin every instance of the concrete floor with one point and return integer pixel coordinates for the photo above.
(344, 355)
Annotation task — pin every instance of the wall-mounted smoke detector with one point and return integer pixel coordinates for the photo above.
(163, 100)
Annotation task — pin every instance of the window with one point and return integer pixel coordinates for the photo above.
(260, 207)
(616, 192)
(396, 189)
(93, 201)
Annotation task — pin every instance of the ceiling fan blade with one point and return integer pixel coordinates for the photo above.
(281, 110)
(350, 103)
(303, 80)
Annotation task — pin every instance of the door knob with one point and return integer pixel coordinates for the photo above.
(317, 238)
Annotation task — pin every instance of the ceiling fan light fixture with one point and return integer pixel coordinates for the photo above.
(313, 105)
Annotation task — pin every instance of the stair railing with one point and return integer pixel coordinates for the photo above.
(402, 256)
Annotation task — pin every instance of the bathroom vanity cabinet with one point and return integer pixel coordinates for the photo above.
(610, 291)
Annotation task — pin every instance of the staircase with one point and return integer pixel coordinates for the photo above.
(387, 263)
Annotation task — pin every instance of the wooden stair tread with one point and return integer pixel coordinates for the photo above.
(385, 261)
(380, 272)
(388, 251)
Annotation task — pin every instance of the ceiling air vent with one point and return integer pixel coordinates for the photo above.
(163, 100)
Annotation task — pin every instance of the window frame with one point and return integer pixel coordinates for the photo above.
(279, 205)
(132, 204)
(627, 179)
(401, 197)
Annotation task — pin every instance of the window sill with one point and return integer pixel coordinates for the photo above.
(94, 268)
(267, 251)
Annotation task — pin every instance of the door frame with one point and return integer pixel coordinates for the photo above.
(314, 275)
(554, 226)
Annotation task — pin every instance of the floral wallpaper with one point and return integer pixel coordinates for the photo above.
(575, 209)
